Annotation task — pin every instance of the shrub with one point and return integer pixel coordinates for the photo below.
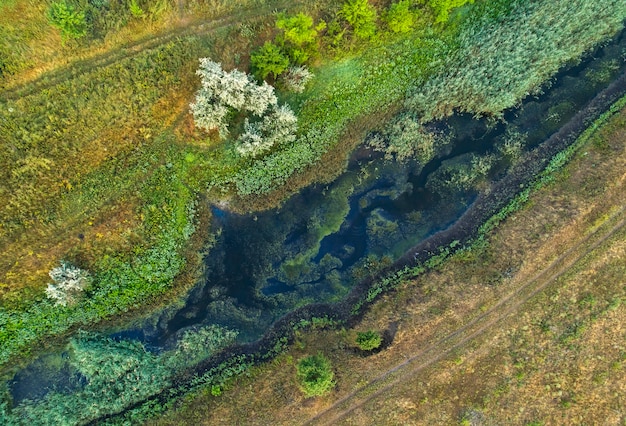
(315, 375)
(296, 79)
(135, 9)
(69, 283)
(297, 29)
(268, 60)
(299, 36)
(399, 17)
(442, 8)
(361, 16)
(71, 22)
(368, 340)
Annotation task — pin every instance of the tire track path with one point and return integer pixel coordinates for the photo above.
(51, 78)
(476, 327)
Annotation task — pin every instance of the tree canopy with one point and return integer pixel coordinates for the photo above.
(399, 17)
(361, 16)
(297, 29)
(268, 59)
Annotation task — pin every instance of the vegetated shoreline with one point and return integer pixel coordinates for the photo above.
(237, 358)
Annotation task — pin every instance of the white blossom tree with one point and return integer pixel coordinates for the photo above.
(223, 91)
(296, 78)
(69, 283)
(278, 127)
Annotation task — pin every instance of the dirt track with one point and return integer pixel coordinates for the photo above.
(507, 305)
(52, 78)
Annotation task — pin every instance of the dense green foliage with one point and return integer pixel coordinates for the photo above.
(400, 18)
(299, 37)
(442, 8)
(361, 16)
(66, 18)
(368, 340)
(508, 49)
(118, 374)
(478, 66)
(315, 375)
(87, 106)
(297, 29)
(268, 60)
(481, 69)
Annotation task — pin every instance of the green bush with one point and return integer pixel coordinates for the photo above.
(297, 29)
(442, 8)
(315, 375)
(268, 59)
(66, 18)
(399, 17)
(361, 16)
(368, 340)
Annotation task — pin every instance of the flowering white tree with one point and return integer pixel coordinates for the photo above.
(69, 283)
(296, 78)
(222, 91)
(278, 127)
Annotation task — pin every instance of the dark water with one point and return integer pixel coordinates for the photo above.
(326, 238)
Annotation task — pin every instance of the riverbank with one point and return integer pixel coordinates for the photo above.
(489, 327)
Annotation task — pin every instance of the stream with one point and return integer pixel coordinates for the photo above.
(324, 240)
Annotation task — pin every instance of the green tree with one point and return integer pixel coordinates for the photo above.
(315, 375)
(442, 8)
(361, 16)
(299, 36)
(268, 59)
(297, 29)
(368, 340)
(399, 17)
(66, 18)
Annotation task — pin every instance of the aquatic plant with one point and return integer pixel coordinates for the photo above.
(509, 49)
(198, 344)
(461, 174)
(405, 139)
